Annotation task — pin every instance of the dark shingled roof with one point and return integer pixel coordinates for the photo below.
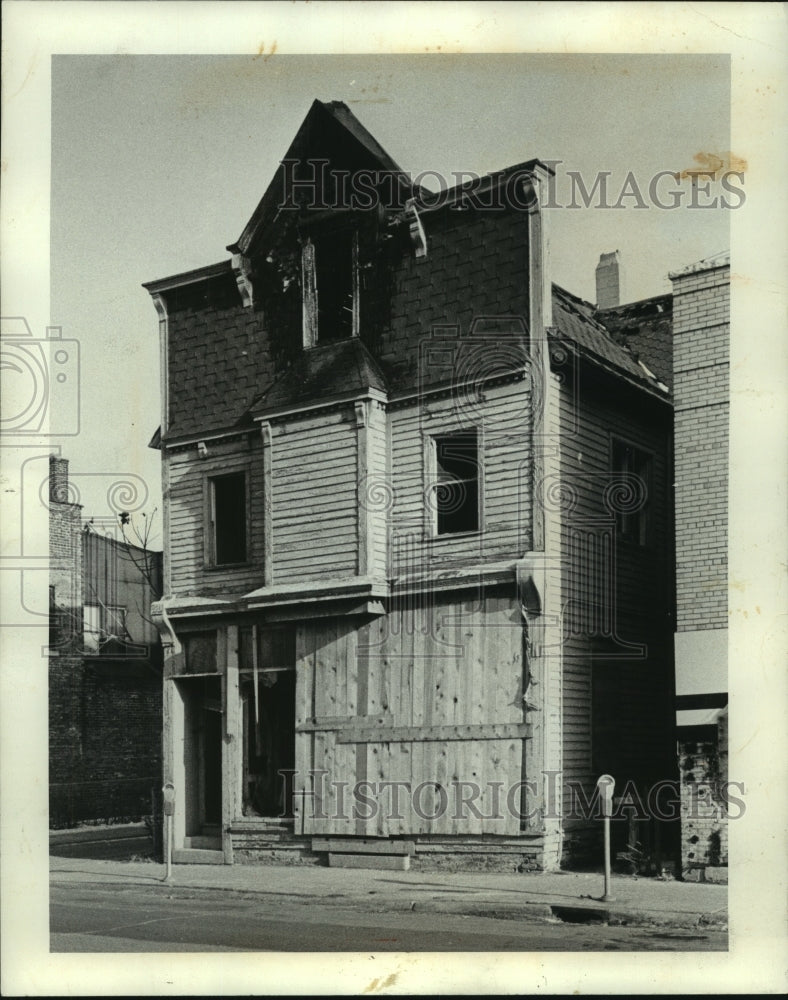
(575, 319)
(333, 130)
(646, 328)
(323, 372)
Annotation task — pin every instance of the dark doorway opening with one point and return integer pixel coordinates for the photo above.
(269, 742)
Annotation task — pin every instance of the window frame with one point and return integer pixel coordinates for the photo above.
(209, 516)
(310, 292)
(641, 536)
(96, 622)
(431, 482)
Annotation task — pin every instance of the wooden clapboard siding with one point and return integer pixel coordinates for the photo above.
(185, 499)
(503, 424)
(616, 593)
(314, 497)
(577, 743)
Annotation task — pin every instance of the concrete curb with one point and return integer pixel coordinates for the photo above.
(91, 834)
(562, 911)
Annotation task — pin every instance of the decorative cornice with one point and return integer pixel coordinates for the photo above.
(242, 269)
(229, 437)
(416, 230)
(160, 304)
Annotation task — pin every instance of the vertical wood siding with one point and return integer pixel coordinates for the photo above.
(458, 663)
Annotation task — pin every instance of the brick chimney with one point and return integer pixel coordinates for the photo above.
(58, 479)
(608, 280)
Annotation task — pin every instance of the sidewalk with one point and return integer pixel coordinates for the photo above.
(568, 896)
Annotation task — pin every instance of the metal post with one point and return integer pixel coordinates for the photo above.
(607, 895)
(169, 849)
(606, 784)
(169, 812)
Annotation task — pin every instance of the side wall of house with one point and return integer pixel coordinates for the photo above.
(617, 671)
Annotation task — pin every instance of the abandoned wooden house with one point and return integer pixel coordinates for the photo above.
(418, 530)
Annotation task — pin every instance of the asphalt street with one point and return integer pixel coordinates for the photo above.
(167, 919)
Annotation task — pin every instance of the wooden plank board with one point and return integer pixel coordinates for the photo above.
(431, 734)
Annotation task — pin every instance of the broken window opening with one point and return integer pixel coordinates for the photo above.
(330, 287)
(267, 688)
(632, 467)
(228, 515)
(456, 493)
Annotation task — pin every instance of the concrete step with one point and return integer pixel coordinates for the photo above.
(196, 856)
(400, 863)
(203, 842)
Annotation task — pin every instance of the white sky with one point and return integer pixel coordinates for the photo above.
(158, 162)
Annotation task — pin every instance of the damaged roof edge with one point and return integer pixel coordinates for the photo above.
(188, 277)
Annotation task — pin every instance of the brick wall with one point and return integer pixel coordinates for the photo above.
(104, 742)
(703, 766)
(105, 718)
(701, 370)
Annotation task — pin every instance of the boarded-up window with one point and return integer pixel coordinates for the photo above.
(456, 492)
(199, 650)
(228, 518)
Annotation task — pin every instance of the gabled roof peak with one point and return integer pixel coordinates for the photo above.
(330, 131)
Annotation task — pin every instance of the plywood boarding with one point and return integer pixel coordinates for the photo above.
(452, 675)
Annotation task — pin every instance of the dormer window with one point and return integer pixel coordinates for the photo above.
(330, 286)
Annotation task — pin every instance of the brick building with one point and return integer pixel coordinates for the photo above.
(104, 669)
(418, 530)
(701, 329)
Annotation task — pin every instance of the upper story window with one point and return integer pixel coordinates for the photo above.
(455, 499)
(103, 627)
(228, 516)
(630, 491)
(331, 286)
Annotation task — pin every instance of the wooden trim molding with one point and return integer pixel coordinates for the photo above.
(268, 520)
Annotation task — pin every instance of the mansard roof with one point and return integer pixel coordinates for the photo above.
(341, 369)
